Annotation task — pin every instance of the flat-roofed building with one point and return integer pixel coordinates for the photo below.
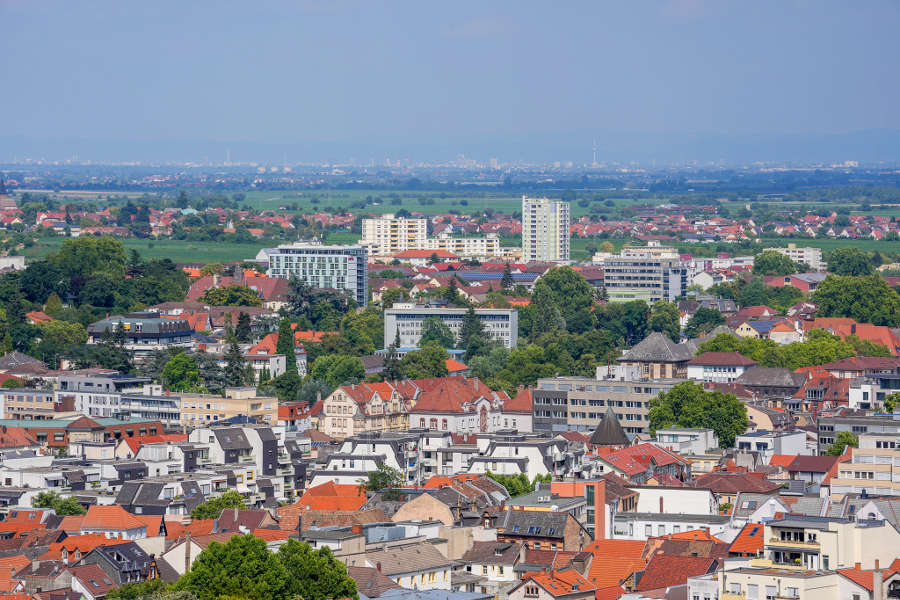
(206, 409)
(406, 319)
(343, 268)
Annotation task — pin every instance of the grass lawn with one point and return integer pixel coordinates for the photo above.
(177, 250)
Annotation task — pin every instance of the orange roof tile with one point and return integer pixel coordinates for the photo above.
(83, 543)
(17, 562)
(112, 518)
(864, 578)
(135, 443)
(454, 366)
(781, 460)
(695, 534)
(749, 541)
(561, 582)
(177, 529)
(333, 496)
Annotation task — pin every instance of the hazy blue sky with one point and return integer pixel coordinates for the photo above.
(378, 74)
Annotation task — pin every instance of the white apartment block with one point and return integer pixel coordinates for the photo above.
(387, 234)
(809, 256)
(545, 230)
(647, 273)
(874, 467)
(405, 319)
(466, 247)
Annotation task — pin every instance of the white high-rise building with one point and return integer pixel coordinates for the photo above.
(545, 230)
(336, 267)
(387, 234)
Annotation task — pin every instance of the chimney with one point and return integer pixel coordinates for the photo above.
(877, 583)
(187, 553)
(378, 567)
(356, 528)
(661, 511)
(600, 510)
(857, 566)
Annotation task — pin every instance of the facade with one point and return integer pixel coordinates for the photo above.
(337, 267)
(719, 367)
(579, 403)
(405, 319)
(874, 467)
(829, 427)
(809, 256)
(657, 356)
(466, 247)
(354, 409)
(387, 234)
(199, 410)
(648, 273)
(545, 230)
(143, 332)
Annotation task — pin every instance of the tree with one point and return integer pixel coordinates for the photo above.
(866, 299)
(244, 568)
(451, 294)
(892, 402)
(518, 485)
(429, 361)
(61, 506)
(666, 318)
(181, 374)
(385, 478)
(689, 405)
(391, 368)
(470, 329)
(393, 295)
(703, 321)
(434, 330)
(607, 247)
(572, 295)
(506, 282)
(841, 441)
(770, 262)
(285, 345)
(212, 508)
(242, 331)
(337, 369)
(212, 269)
(850, 262)
(231, 295)
(237, 372)
(149, 588)
(315, 574)
(546, 316)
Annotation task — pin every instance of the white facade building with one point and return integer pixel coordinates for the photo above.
(502, 324)
(545, 230)
(335, 267)
(387, 234)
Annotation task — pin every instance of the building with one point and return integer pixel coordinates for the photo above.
(648, 273)
(405, 320)
(387, 234)
(857, 424)
(199, 410)
(769, 443)
(343, 268)
(657, 356)
(100, 396)
(545, 230)
(874, 467)
(809, 256)
(143, 332)
(720, 367)
(579, 403)
(466, 247)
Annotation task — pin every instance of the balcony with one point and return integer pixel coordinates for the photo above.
(285, 471)
(765, 563)
(776, 542)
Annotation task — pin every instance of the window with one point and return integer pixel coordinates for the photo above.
(531, 591)
(484, 570)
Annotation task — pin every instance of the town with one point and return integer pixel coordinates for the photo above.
(448, 414)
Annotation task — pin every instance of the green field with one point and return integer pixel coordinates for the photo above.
(177, 250)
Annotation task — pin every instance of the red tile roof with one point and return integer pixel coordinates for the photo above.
(83, 544)
(135, 443)
(637, 459)
(666, 570)
(332, 496)
(110, 518)
(561, 582)
(749, 541)
(731, 483)
(176, 529)
(865, 578)
(93, 579)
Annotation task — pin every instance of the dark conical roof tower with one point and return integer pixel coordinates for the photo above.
(609, 431)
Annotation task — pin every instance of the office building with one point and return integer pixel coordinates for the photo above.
(580, 403)
(545, 230)
(647, 273)
(387, 234)
(405, 319)
(143, 332)
(809, 256)
(336, 267)
(873, 469)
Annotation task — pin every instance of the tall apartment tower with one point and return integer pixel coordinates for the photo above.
(545, 230)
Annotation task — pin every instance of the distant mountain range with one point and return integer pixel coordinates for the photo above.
(645, 148)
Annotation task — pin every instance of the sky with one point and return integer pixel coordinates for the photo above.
(515, 79)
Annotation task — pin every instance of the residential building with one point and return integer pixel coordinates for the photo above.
(387, 234)
(873, 468)
(354, 409)
(414, 566)
(648, 273)
(545, 230)
(405, 320)
(809, 256)
(855, 422)
(562, 584)
(542, 530)
(579, 403)
(687, 441)
(206, 409)
(100, 396)
(769, 443)
(480, 248)
(658, 357)
(143, 332)
(343, 268)
(722, 367)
